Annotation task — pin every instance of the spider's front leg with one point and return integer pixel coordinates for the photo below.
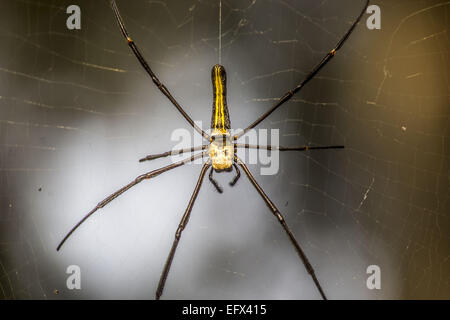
(283, 223)
(184, 221)
(137, 180)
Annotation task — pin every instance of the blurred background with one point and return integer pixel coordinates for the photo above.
(77, 112)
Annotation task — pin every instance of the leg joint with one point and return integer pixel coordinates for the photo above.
(279, 216)
(309, 268)
(159, 84)
(179, 231)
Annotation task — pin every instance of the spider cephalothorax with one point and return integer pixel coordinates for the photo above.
(221, 152)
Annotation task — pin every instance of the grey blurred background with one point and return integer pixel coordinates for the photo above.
(77, 112)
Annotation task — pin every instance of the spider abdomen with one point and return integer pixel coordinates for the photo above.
(220, 120)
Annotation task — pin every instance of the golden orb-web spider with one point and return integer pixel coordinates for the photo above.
(221, 149)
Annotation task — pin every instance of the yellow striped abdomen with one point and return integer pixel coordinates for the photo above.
(220, 121)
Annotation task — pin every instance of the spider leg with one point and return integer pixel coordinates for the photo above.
(280, 148)
(283, 223)
(147, 68)
(173, 152)
(214, 182)
(184, 221)
(237, 176)
(288, 95)
(138, 179)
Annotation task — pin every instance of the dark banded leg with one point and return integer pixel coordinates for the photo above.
(150, 72)
(283, 223)
(184, 221)
(139, 179)
(280, 148)
(214, 182)
(171, 153)
(237, 176)
(288, 95)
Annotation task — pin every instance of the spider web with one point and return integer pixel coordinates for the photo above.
(77, 111)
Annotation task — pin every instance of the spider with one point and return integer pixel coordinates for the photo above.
(220, 150)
